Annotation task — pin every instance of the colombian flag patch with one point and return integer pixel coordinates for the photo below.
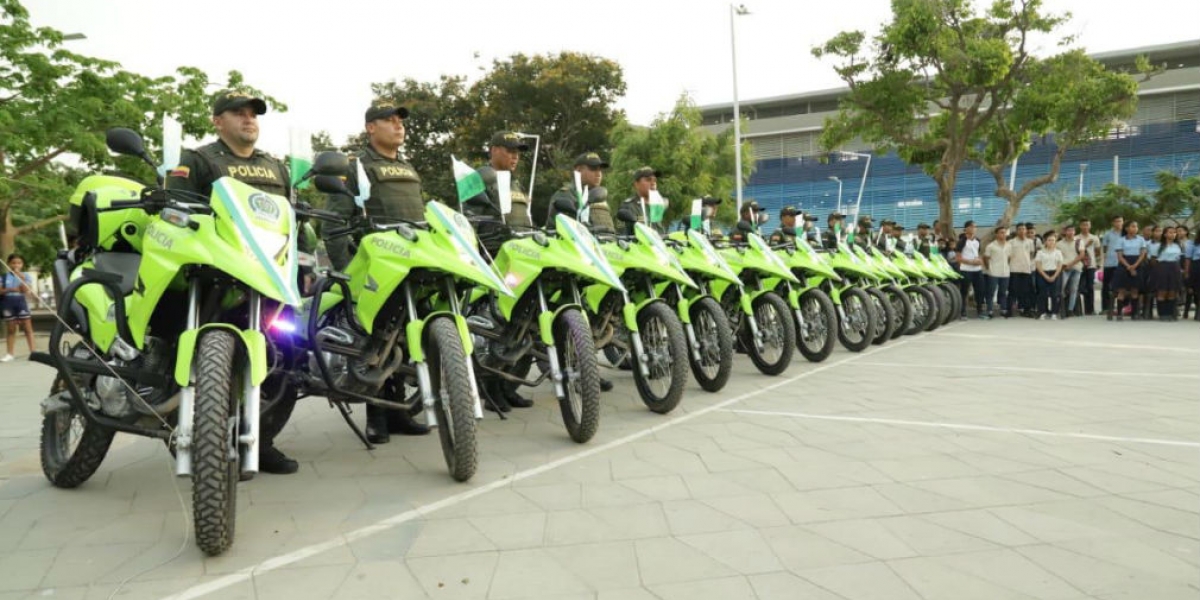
(181, 171)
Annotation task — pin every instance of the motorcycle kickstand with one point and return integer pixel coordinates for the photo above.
(487, 397)
(345, 412)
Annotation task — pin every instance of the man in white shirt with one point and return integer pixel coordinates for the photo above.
(1020, 266)
(1092, 256)
(1072, 250)
(970, 264)
(995, 262)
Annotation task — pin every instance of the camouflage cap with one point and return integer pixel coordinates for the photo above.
(508, 139)
(788, 211)
(234, 99)
(590, 159)
(710, 201)
(383, 109)
(646, 172)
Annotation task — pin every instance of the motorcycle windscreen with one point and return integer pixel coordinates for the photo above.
(700, 242)
(260, 229)
(455, 227)
(773, 263)
(578, 237)
(668, 263)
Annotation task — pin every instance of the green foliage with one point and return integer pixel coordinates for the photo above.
(1176, 201)
(57, 103)
(694, 162)
(945, 83)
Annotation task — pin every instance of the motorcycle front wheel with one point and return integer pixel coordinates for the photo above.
(858, 326)
(884, 318)
(214, 442)
(453, 401)
(924, 308)
(716, 345)
(580, 402)
(775, 322)
(665, 347)
(902, 309)
(815, 338)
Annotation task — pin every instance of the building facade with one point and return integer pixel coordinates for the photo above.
(791, 168)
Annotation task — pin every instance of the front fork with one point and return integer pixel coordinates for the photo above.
(187, 396)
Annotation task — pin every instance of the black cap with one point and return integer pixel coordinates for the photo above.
(510, 140)
(383, 109)
(835, 215)
(590, 159)
(923, 226)
(865, 220)
(646, 172)
(897, 226)
(751, 205)
(788, 211)
(233, 99)
(710, 201)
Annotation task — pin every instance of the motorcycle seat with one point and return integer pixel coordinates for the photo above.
(124, 264)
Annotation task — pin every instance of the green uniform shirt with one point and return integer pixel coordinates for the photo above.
(599, 214)
(488, 203)
(395, 194)
(199, 168)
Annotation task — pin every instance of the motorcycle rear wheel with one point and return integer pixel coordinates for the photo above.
(72, 448)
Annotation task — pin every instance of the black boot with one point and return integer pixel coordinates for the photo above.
(493, 400)
(1171, 316)
(605, 385)
(1148, 310)
(271, 460)
(511, 396)
(377, 425)
(1133, 310)
(404, 422)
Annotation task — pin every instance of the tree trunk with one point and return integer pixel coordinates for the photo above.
(946, 205)
(8, 233)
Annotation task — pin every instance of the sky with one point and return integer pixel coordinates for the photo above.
(321, 58)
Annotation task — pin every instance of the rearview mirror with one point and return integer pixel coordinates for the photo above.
(330, 184)
(125, 141)
(331, 163)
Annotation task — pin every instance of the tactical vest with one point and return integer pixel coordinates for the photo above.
(395, 188)
(260, 170)
(601, 217)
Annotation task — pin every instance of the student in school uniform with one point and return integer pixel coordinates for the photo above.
(1050, 264)
(1131, 255)
(1166, 274)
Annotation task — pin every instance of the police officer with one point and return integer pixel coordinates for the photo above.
(750, 218)
(235, 118)
(833, 230)
(883, 239)
(645, 179)
(786, 233)
(504, 152)
(395, 194)
(590, 167)
(862, 233)
(924, 238)
(708, 211)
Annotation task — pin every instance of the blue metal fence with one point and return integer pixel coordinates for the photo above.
(903, 193)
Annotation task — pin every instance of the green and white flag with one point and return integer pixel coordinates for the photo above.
(300, 154)
(585, 214)
(466, 179)
(697, 216)
(172, 145)
(657, 206)
(504, 191)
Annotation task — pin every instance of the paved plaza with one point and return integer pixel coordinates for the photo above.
(987, 460)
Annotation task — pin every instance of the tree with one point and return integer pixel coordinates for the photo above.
(1176, 201)
(694, 162)
(944, 84)
(568, 99)
(55, 104)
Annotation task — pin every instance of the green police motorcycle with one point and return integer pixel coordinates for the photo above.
(167, 292)
(393, 319)
(876, 278)
(544, 318)
(925, 302)
(644, 322)
(815, 311)
(709, 333)
(856, 312)
(892, 288)
(761, 319)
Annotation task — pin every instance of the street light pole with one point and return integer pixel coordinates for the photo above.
(734, 11)
(839, 182)
(1082, 169)
(861, 186)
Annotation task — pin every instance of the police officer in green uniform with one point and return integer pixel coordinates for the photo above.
(644, 180)
(590, 167)
(862, 233)
(833, 230)
(235, 117)
(395, 185)
(787, 226)
(504, 152)
(751, 218)
(395, 194)
(924, 239)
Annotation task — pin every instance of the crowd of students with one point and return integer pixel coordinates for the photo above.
(1147, 273)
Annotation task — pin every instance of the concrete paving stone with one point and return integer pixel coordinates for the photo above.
(379, 579)
(631, 467)
(512, 532)
(1094, 576)
(798, 549)
(983, 525)
(1048, 527)
(932, 580)
(605, 525)
(928, 539)
(598, 495)
(765, 480)
(311, 582)
(497, 503)
(520, 573)
(840, 474)
(1178, 499)
(925, 467)
(663, 488)
(693, 516)
(835, 504)
(166, 560)
(863, 581)
(1011, 570)
(603, 566)
(1056, 481)
(627, 594)
(913, 500)
(554, 497)
(754, 510)
(463, 576)
(394, 543)
(1110, 482)
(787, 586)
(989, 491)
(868, 536)
(1135, 555)
(1152, 515)
(24, 570)
(744, 551)
(726, 588)
(668, 560)
(670, 458)
(81, 565)
(442, 537)
(706, 485)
